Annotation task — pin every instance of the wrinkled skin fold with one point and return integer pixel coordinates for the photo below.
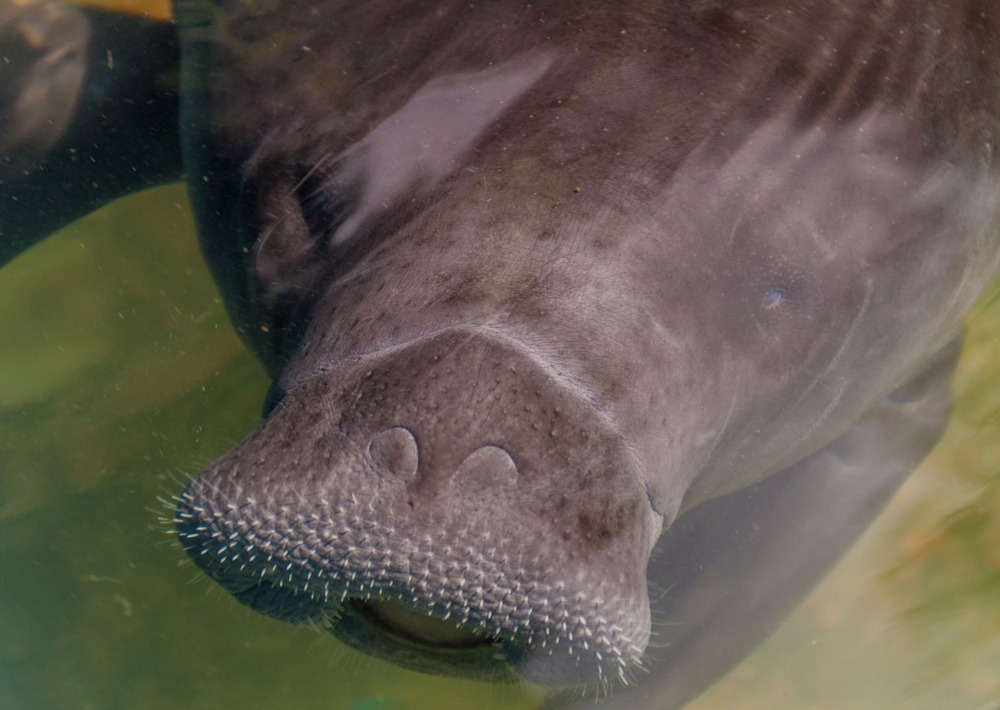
(598, 331)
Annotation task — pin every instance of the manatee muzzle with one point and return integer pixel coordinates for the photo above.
(452, 505)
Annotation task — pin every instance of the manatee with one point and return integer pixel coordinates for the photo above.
(597, 331)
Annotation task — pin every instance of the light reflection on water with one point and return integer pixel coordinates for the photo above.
(119, 377)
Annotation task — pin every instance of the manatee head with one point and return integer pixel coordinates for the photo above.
(418, 503)
(437, 481)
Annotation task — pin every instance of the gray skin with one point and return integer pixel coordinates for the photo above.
(569, 306)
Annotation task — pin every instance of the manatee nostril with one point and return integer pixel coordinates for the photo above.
(395, 451)
(486, 468)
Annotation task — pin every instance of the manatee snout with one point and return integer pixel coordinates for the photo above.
(417, 502)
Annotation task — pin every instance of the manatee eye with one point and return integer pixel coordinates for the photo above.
(773, 298)
(325, 203)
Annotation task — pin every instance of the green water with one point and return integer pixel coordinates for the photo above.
(120, 377)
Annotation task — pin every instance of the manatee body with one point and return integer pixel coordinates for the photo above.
(568, 306)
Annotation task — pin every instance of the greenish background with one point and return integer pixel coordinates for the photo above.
(120, 378)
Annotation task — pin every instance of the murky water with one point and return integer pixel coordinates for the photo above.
(120, 377)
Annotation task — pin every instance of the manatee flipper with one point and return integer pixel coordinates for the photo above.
(731, 569)
(88, 113)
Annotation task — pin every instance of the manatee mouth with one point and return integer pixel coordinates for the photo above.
(468, 611)
(386, 629)
(419, 628)
(383, 627)
(421, 642)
